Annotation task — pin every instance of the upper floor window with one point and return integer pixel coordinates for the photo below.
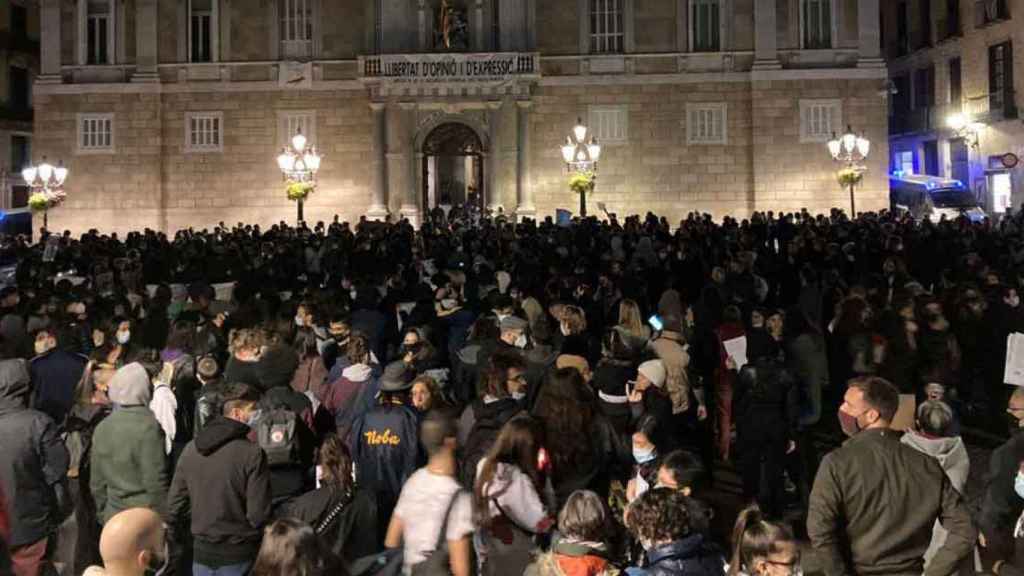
(705, 25)
(99, 32)
(610, 124)
(924, 36)
(204, 131)
(201, 29)
(296, 28)
(902, 28)
(606, 28)
(950, 25)
(989, 11)
(20, 86)
(816, 24)
(1000, 79)
(924, 87)
(956, 82)
(21, 152)
(820, 119)
(95, 133)
(19, 18)
(706, 123)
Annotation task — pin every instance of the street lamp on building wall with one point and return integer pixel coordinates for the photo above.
(581, 156)
(46, 182)
(851, 150)
(964, 127)
(299, 165)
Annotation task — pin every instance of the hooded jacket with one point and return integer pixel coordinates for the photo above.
(32, 459)
(222, 482)
(352, 395)
(55, 375)
(128, 462)
(952, 456)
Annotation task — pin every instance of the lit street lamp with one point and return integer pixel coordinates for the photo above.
(46, 182)
(581, 156)
(851, 150)
(964, 127)
(299, 166)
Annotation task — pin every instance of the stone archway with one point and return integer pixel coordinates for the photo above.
(452, 156)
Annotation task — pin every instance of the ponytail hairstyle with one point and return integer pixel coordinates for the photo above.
(755, 538)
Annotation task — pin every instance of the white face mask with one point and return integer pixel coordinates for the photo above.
(564, 329)
(521, 341)
(299, 321)
(124, 337)
(42, 347)
(448, 303)
(517, 396)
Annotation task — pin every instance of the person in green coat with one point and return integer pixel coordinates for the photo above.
(129, 467)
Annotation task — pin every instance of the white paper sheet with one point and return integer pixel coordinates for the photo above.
(1013, 372)
(737, 348)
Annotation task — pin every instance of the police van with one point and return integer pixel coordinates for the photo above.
(932, 197)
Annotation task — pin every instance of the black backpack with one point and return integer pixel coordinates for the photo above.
(277, 433)
(482, 436)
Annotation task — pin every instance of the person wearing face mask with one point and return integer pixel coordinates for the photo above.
(221, 489)
(512, 339)
(646, 460)
(417, 352)
(504, 389)
(1001, 505)
(128, 463)
(54, 373)
(863, 521)
(762, 548)
(132, 544)
(660, 521)
(648, 398)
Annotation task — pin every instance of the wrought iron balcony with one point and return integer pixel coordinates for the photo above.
(993, 107)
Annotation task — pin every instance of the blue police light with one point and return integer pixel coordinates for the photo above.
(3, 215)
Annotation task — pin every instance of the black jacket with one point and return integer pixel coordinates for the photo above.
(691, 556)
(385, 447)
(223, 482)
(353, 533)
(54, 376)
(33, 460)
(291, 480)
(766, 396)
(1001, 505)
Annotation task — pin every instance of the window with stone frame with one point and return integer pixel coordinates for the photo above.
(296, 21)
(609, 124)
(201, 30)
(204, 132)
(607, 34)
(99, 32)
(816, 24)
(820, 119)
(707, 123)
(705, 25)
(95, 133)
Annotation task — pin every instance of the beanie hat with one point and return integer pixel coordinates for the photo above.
(653, 370)
(130, 386)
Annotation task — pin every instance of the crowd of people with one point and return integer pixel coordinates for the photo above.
(484, 396)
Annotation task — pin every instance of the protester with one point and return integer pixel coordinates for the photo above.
(851, 527)
(291, 547)
(660, 521)
(762, 548)
(54, 373)
(1001, 505)
(433, 514)
(355, 389)
(221, 489)
(33, 472)
(132, 544)
(128, 460)
(583, 545)
(426, 395)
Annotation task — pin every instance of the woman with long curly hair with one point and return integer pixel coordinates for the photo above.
(293, 548)
(583, 447)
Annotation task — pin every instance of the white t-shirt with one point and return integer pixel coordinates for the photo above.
(422, 505)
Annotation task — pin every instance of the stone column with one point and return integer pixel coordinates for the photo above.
(410, 203)
(146, 27)
(378, 177)
(491, 193)
(524, 188)
(765, 31)
(50, 45)
(869, 35)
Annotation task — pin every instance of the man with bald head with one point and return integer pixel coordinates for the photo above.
(132, 542)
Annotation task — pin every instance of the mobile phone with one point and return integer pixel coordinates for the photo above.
(542, 460)
(655, 322)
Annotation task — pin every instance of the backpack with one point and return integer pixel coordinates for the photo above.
(481, 437)
(277, 434)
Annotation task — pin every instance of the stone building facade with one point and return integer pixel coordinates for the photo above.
(958, 57)
(171, 112)
(19, 65)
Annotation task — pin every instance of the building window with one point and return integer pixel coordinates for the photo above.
(706, 124)
(816, 22)
(99, 31)
(296, 28)
(95, 133)
(956, 82)
(21, 152)
(705, 25)
(19, 19)
(902, 29)
(924, 88)
(950, 26)
(924, 37)
(609, 124)
(204, 131)
(20, 86)
(290, 122)
(905, 162)
(990, 11)
(1000, 79)
(820, 119)
(606, 35)
(200, 30)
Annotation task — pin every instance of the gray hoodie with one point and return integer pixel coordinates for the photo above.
(952, 456)
(131, 386)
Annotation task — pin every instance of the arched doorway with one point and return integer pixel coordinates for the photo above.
(453, 166)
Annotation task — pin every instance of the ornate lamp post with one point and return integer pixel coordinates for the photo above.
(47, 184)
(299, 166)
(964, 127)
(851, 150)
(581, 156)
